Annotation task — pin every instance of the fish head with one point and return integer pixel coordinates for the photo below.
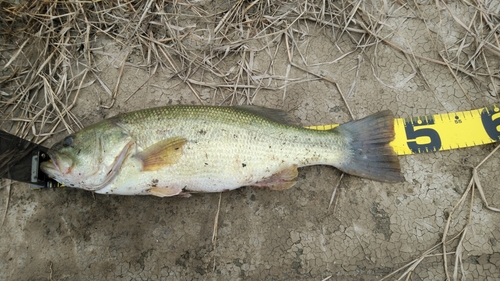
(90, 158)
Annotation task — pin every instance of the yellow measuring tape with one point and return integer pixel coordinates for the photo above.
(443, 131)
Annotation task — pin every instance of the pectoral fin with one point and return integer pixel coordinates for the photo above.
(162, 153)
(281, 180)
(164, 191)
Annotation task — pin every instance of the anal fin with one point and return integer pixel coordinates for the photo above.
(162, 153)
(164, 191)
(281, 180)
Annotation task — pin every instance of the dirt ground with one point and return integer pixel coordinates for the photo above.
(316, 72)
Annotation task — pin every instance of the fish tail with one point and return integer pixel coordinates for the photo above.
(369, 153)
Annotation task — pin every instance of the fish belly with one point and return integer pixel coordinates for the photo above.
(226, 161)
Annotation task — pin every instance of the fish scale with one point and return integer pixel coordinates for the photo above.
(243, 139)
(179, 149)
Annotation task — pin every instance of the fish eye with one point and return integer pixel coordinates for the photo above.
(67, 141)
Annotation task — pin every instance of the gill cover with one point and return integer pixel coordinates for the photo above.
(90, 158)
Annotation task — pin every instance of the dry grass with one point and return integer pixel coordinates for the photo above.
(48, 56)
(48, 52)
(457, 239)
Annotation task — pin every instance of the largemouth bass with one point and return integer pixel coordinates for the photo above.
(176, 150)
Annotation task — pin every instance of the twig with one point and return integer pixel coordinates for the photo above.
(335, 190)
(216, 227)
(117, 85)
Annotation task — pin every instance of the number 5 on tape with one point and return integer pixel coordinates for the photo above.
(447, 131)
(421, 136)
(443, 131)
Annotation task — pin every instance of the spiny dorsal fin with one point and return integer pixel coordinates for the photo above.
(162, 153)
(272, 114)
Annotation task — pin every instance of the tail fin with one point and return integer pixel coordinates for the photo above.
(371, 154)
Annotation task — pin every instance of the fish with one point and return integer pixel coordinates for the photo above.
(184, 149)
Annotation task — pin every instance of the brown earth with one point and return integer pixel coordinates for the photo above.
(370, 231)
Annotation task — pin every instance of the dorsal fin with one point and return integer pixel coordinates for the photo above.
(272, 114)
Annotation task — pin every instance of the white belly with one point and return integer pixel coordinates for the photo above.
(207, 168)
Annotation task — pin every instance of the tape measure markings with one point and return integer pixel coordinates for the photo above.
(443, 131)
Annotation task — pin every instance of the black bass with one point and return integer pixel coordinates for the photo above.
(181, 149)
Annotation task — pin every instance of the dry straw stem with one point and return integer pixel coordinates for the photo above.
(189, 41)
(215, 231)
(474, 184)
(40, 73)
(51, 52)
(485, 42)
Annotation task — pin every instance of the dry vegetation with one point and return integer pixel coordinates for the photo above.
(48, 56)
(48, 52)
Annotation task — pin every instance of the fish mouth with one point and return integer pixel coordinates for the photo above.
(57, 167)
(51, 166)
